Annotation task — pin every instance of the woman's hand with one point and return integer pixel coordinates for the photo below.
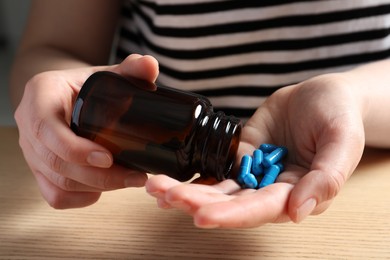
(71, 171)
(320, 122)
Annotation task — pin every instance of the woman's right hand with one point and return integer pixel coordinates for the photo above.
(71, 171)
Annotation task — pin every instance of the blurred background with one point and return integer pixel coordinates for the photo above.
(13, 15)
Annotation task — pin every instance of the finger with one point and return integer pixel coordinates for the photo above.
(56, 179)
(55, 142)
(190, 197)
(228, 186)
(65, 183)
(162, 204)
(37, 167)
(186, 196)
(158, 185)
(116, 177)
(61, 199)
(73, 177)
(250, 210)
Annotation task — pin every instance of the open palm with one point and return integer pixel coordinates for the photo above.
(320, 123)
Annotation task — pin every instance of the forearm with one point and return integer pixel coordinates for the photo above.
(62, 35)
(373, 89)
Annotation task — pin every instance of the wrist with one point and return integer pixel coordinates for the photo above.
(370, 88)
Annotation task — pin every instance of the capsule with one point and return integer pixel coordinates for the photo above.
(281, 166)
(257, 167)
(245, 168)
(270, 175)
(268, 148)
(275, 156)
(250, 181)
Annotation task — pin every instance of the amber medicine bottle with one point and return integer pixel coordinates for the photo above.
(159, 130)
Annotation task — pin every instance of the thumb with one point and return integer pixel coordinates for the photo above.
(138, 66)
(332, 165)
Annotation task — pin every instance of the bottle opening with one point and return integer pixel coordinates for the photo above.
(221, 146)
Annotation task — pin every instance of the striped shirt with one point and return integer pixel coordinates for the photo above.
(238, 52)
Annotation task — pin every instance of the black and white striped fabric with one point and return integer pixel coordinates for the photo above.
(238, 52)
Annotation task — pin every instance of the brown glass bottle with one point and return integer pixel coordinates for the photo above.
(160, 130)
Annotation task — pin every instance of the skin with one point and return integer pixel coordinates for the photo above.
(325, 122)
(47, 73)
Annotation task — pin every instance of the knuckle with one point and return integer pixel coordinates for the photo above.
(64, 183)
(334, 183)
(69, 153)
(64, 151)
(39, 128)
(27, 100)
(54, 162)
(60, 181)
(18, 116)
(107, 182)
(39, 79)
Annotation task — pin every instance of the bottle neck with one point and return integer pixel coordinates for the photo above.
(218, 144)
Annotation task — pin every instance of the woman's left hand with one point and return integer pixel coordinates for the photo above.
(320, 122)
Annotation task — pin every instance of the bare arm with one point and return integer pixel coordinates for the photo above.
(373, 86)
(63, 35)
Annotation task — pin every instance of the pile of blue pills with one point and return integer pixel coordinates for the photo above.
(262, 168)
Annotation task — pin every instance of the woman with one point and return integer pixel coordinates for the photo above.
(323, 63)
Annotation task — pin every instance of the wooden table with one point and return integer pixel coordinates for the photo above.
(126, 224)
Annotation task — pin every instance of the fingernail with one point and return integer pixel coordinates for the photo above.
(305, 209)
(100, 159)
(134, 180)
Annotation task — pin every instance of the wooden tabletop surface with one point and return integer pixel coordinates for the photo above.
(126, 224)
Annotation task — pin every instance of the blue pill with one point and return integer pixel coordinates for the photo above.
(240, 179)
(246, 164)
(270, 175)
(250, 181)
(245, 167)
(257, 167)
(268, 148)
(275, 156)
(281, 166)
